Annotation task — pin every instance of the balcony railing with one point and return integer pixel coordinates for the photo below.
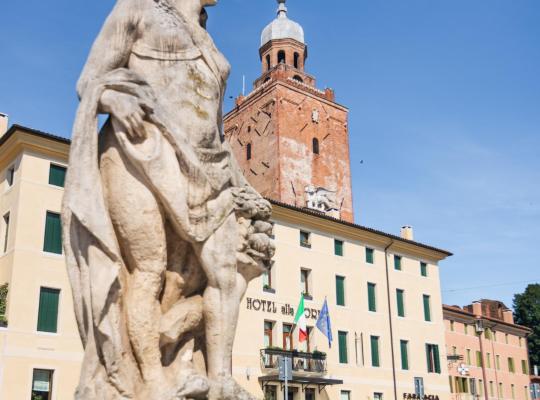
(303, 363)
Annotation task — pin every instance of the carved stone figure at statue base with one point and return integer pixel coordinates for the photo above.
(162, 233)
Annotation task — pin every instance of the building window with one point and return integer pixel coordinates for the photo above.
(377, 396)
(10, 175)
(6, 231)
(53, 233)
(479, 360)
(369, 255)
(268, 341)
(372, 297)
(298, 78)
(397, 263)
(423, 269)
(42, 380)
(267, 280)
(400, 294)
(296, 60)
(340, 290)
(433, 359)
(375, 359)
(506, 338)
(466, 329)
(57, 175)
(520, 342)
(452, 327)
(48, 310)
(268, 62)
(498, 362)
(305, 239)
(480, 387)
(287, 337)
(513, 388)
(469, 358)
(310, 394)
(511, 365)
(281, 58)
(454, 350)
(316, 149)
(419, 387)
(305, 277)
(491, 389)
(427, 308)
(462, 385)
(488, 334)
(345, 395)
(404, 345)
(524, 367)
(343, 352)
(270, 391)
(501, 389)
(488, 360)
(248, 151)
(338, 247)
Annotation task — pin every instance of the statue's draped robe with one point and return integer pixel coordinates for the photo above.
(196, 205)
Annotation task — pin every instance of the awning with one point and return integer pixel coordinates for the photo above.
(302, 380)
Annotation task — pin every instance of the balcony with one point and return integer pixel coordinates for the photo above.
(306, 364)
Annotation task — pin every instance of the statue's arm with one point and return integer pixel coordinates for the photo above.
(112, 48)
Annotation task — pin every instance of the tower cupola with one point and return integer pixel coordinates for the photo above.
(283, 49)
(282, 27)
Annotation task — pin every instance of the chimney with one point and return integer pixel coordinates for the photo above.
(3, 123)
(407, 233)
(477, 308)
(508, 316)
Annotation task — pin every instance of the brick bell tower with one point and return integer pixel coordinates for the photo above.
(290, 138)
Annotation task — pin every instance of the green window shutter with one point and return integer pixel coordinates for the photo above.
(342, 342)
(340, 290)
(57, 175)
(404, 355)
(427, 308)
(423, 269)
(369, 255)
(372, 299)
(53, 234)
(478, 359)
(437, 358)
(375, 361)
(338, 247)
(400, 302)
(397, 263)
(48, 310)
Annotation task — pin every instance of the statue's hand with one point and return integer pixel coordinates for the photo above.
(127, 110)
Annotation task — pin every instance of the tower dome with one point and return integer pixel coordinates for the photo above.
(282, 27)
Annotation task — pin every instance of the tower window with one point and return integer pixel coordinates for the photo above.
(268, 62)
(298, 78)
(281, 57)
(316, 149)
(296, 60)
(248, 151)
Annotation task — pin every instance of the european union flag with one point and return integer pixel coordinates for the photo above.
(323, 323)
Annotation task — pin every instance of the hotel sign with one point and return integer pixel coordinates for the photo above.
(271, 307)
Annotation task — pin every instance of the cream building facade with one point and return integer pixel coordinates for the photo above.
(383, 293)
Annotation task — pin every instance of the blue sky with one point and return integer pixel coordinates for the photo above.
(444, 101)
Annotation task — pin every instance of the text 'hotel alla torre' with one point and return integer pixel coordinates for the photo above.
(290, 138)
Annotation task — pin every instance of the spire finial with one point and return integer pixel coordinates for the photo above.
(282, 9)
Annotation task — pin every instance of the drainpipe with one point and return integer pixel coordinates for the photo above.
(390, 319)
(483, 363)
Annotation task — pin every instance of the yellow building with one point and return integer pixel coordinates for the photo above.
(40, 349)
(383, 293)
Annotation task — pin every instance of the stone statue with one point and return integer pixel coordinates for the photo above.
(321, 199)
(162, 233)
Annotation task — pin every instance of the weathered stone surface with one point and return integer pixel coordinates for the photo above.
(162, 233)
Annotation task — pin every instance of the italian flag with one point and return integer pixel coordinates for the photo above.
(300, 321)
